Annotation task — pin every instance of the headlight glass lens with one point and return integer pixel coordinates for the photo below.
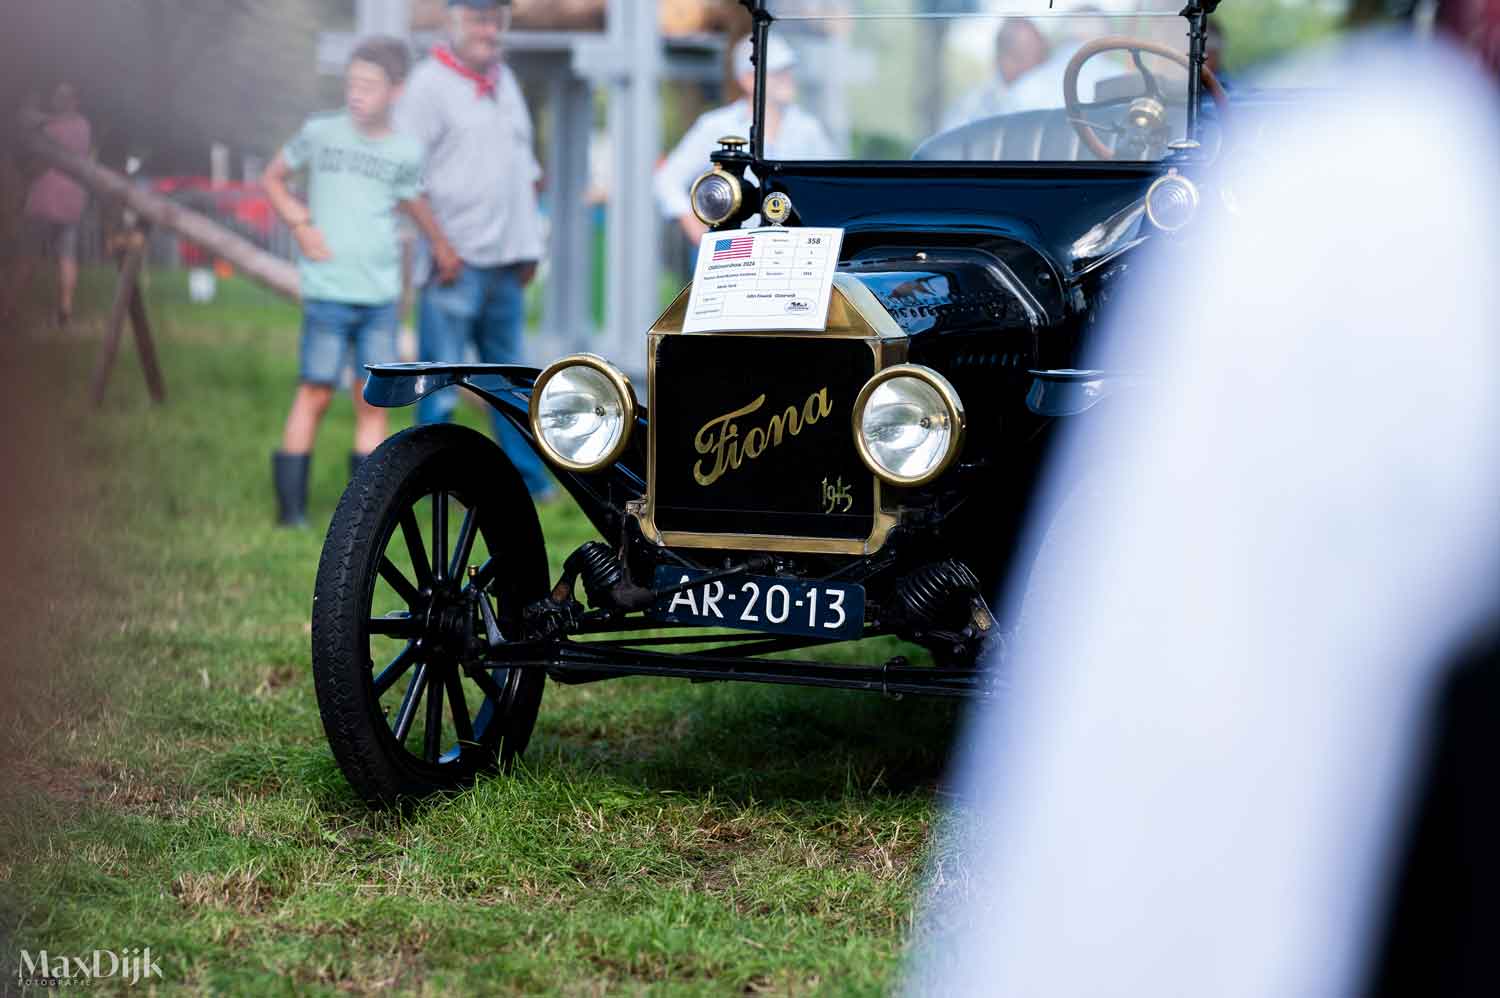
(580, 415)
(1171, 203)
(714, 198)
(907, 427)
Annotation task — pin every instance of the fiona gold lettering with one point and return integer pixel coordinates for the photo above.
(726, 448)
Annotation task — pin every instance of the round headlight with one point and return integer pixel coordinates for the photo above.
(582, 412)
(716, 196)
(908, 424)
(1171, 202)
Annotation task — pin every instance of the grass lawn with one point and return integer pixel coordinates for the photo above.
(175, 789)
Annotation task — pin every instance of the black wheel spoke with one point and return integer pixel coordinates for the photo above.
(464, 545)
(486, 682)
(402, 626)
(439, 536)
(408, 710)
(395, 670)
(415, 549)
(432, 736)
(393, 577)
(460, 708)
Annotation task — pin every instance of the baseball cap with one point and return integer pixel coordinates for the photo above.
(779, 56)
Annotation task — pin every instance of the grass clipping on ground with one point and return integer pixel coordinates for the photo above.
(171, 785)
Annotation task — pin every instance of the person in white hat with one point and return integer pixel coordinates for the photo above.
(791, 133)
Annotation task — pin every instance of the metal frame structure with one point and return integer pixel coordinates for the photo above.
(577, 662)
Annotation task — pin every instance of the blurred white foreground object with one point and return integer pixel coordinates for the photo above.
(1197, 784)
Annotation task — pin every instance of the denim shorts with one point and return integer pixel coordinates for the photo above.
(334, 332)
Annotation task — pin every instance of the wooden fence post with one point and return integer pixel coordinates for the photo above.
(130, 306)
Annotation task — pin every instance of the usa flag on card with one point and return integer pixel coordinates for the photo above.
(738, 248)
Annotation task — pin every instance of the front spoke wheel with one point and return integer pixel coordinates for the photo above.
(399, 643)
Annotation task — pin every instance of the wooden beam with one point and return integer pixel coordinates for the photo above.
(269, 270)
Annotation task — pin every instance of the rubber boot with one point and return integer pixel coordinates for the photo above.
(356, 461)
(289, 472)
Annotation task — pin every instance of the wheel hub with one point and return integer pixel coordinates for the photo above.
(450, 624)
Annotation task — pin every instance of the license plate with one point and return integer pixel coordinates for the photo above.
(760, 603)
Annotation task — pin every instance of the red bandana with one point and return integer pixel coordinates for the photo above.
(484, 82)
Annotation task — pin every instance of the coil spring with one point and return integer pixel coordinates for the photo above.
(601, 570)
(937, 593)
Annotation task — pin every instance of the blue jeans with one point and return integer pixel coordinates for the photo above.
(334, 331)
(484, 307)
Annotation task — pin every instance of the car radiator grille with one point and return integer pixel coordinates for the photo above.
(751, 434)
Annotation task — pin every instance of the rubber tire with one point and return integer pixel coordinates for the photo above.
(412, 463)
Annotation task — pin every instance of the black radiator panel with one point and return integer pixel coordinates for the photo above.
(810, 484)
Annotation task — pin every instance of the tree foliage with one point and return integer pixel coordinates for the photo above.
(1256, 31)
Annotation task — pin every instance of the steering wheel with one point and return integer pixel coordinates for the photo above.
(1151, 106)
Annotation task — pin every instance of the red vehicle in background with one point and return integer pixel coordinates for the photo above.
(242, 207)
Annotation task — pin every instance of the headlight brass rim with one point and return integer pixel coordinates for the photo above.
(734, 185)
(957, 420)
(621, 385)
(1175, 179)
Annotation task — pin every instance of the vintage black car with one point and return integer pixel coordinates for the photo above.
(777, 490)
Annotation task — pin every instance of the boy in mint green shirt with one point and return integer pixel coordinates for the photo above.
(360, 174)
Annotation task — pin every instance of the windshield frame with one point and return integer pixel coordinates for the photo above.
(1196, 12)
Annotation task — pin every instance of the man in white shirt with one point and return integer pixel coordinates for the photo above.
(1042, 87)
(1028, 75)
(791, 133)
(466, 107)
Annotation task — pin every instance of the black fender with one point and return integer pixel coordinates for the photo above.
(1069, 392)
(507, 387)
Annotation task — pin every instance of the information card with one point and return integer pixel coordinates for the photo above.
(754, 280)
